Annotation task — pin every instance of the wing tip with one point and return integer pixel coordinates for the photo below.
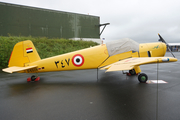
(17, 69)
(5, 70)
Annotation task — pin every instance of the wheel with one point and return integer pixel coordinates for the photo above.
(132, 72)
(33, 78)
(142, 78)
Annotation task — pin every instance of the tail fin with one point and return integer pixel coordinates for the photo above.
(23, 52)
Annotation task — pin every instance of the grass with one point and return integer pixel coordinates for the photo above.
(44, 46)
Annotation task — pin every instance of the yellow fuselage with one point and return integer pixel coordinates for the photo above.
(94, 57)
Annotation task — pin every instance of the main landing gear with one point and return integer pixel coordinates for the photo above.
(33, 78)
(142, 77)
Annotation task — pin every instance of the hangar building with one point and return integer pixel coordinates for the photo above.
(18, 20)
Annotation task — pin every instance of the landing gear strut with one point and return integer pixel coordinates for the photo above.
(33, 78)
(142, 78)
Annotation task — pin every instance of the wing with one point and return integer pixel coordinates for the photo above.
(17, 69)
(130, 63)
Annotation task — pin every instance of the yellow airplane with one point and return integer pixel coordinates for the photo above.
(124, 54)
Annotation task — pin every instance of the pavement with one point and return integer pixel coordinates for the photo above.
(78, 95)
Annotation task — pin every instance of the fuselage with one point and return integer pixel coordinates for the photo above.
(95, 57)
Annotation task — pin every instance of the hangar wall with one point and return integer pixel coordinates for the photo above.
(25, 21)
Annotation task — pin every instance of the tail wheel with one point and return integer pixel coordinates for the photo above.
(142, 78)
(33, 78)
(132, 72)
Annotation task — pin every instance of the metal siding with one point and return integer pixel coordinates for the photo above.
(23, 20)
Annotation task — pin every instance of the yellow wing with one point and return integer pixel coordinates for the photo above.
(18, 69)
(130, 63)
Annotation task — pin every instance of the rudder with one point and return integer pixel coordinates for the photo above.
(23, 52)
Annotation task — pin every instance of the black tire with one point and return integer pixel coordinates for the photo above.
(132, 72)
(33, 78)
(142, 78)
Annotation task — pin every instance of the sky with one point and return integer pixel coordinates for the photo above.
(140, 20)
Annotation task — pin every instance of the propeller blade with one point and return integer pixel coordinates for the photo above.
(162, 40)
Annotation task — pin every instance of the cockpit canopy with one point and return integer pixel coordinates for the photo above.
(121, 46)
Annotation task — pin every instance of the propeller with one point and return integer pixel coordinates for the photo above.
(162, 40)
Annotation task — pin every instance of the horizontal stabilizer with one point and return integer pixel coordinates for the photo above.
(130, 63)
(17, 69)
